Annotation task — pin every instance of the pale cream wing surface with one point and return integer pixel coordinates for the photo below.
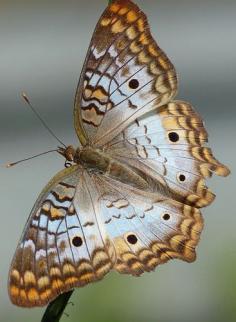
(169, 146)
(124, 76)
(64, 244)
(147, 229)
(85, 224)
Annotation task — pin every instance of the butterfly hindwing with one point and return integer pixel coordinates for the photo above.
(125, 75)
(147, 229)
(169, 146)
(63, 245)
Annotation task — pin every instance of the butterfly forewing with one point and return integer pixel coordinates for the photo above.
(64, 243)
(125, 75)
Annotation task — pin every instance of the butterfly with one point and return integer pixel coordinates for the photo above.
(131, 198)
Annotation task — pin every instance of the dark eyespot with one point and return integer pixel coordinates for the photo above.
(77, 241)
(166, 217)
(182, 177)
(132, 239)
(134, 83)
(173, 137)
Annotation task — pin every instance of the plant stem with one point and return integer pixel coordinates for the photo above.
(56, 308)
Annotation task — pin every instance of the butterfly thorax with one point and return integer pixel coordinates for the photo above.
(97, 161)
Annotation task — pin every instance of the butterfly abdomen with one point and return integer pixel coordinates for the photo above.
(101, 162)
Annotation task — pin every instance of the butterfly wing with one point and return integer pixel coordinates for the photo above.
(64, 243)
(168, 145)
(147, 229)
(125, 75)
(85, 224)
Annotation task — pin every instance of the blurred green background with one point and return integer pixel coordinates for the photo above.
(43, 45)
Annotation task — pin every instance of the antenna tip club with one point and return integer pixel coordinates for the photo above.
(25, 97)
(8, 165)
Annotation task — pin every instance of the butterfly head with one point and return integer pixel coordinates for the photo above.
(68, 153)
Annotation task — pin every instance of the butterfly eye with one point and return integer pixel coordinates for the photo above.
(181, 177)
(77, 241)
(166, 217)
(132, 239)
(134, 83)
(173, 136)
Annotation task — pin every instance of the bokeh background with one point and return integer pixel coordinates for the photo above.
(42, 48)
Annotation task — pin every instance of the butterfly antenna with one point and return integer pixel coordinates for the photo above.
(26, 99)
(12, 164)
